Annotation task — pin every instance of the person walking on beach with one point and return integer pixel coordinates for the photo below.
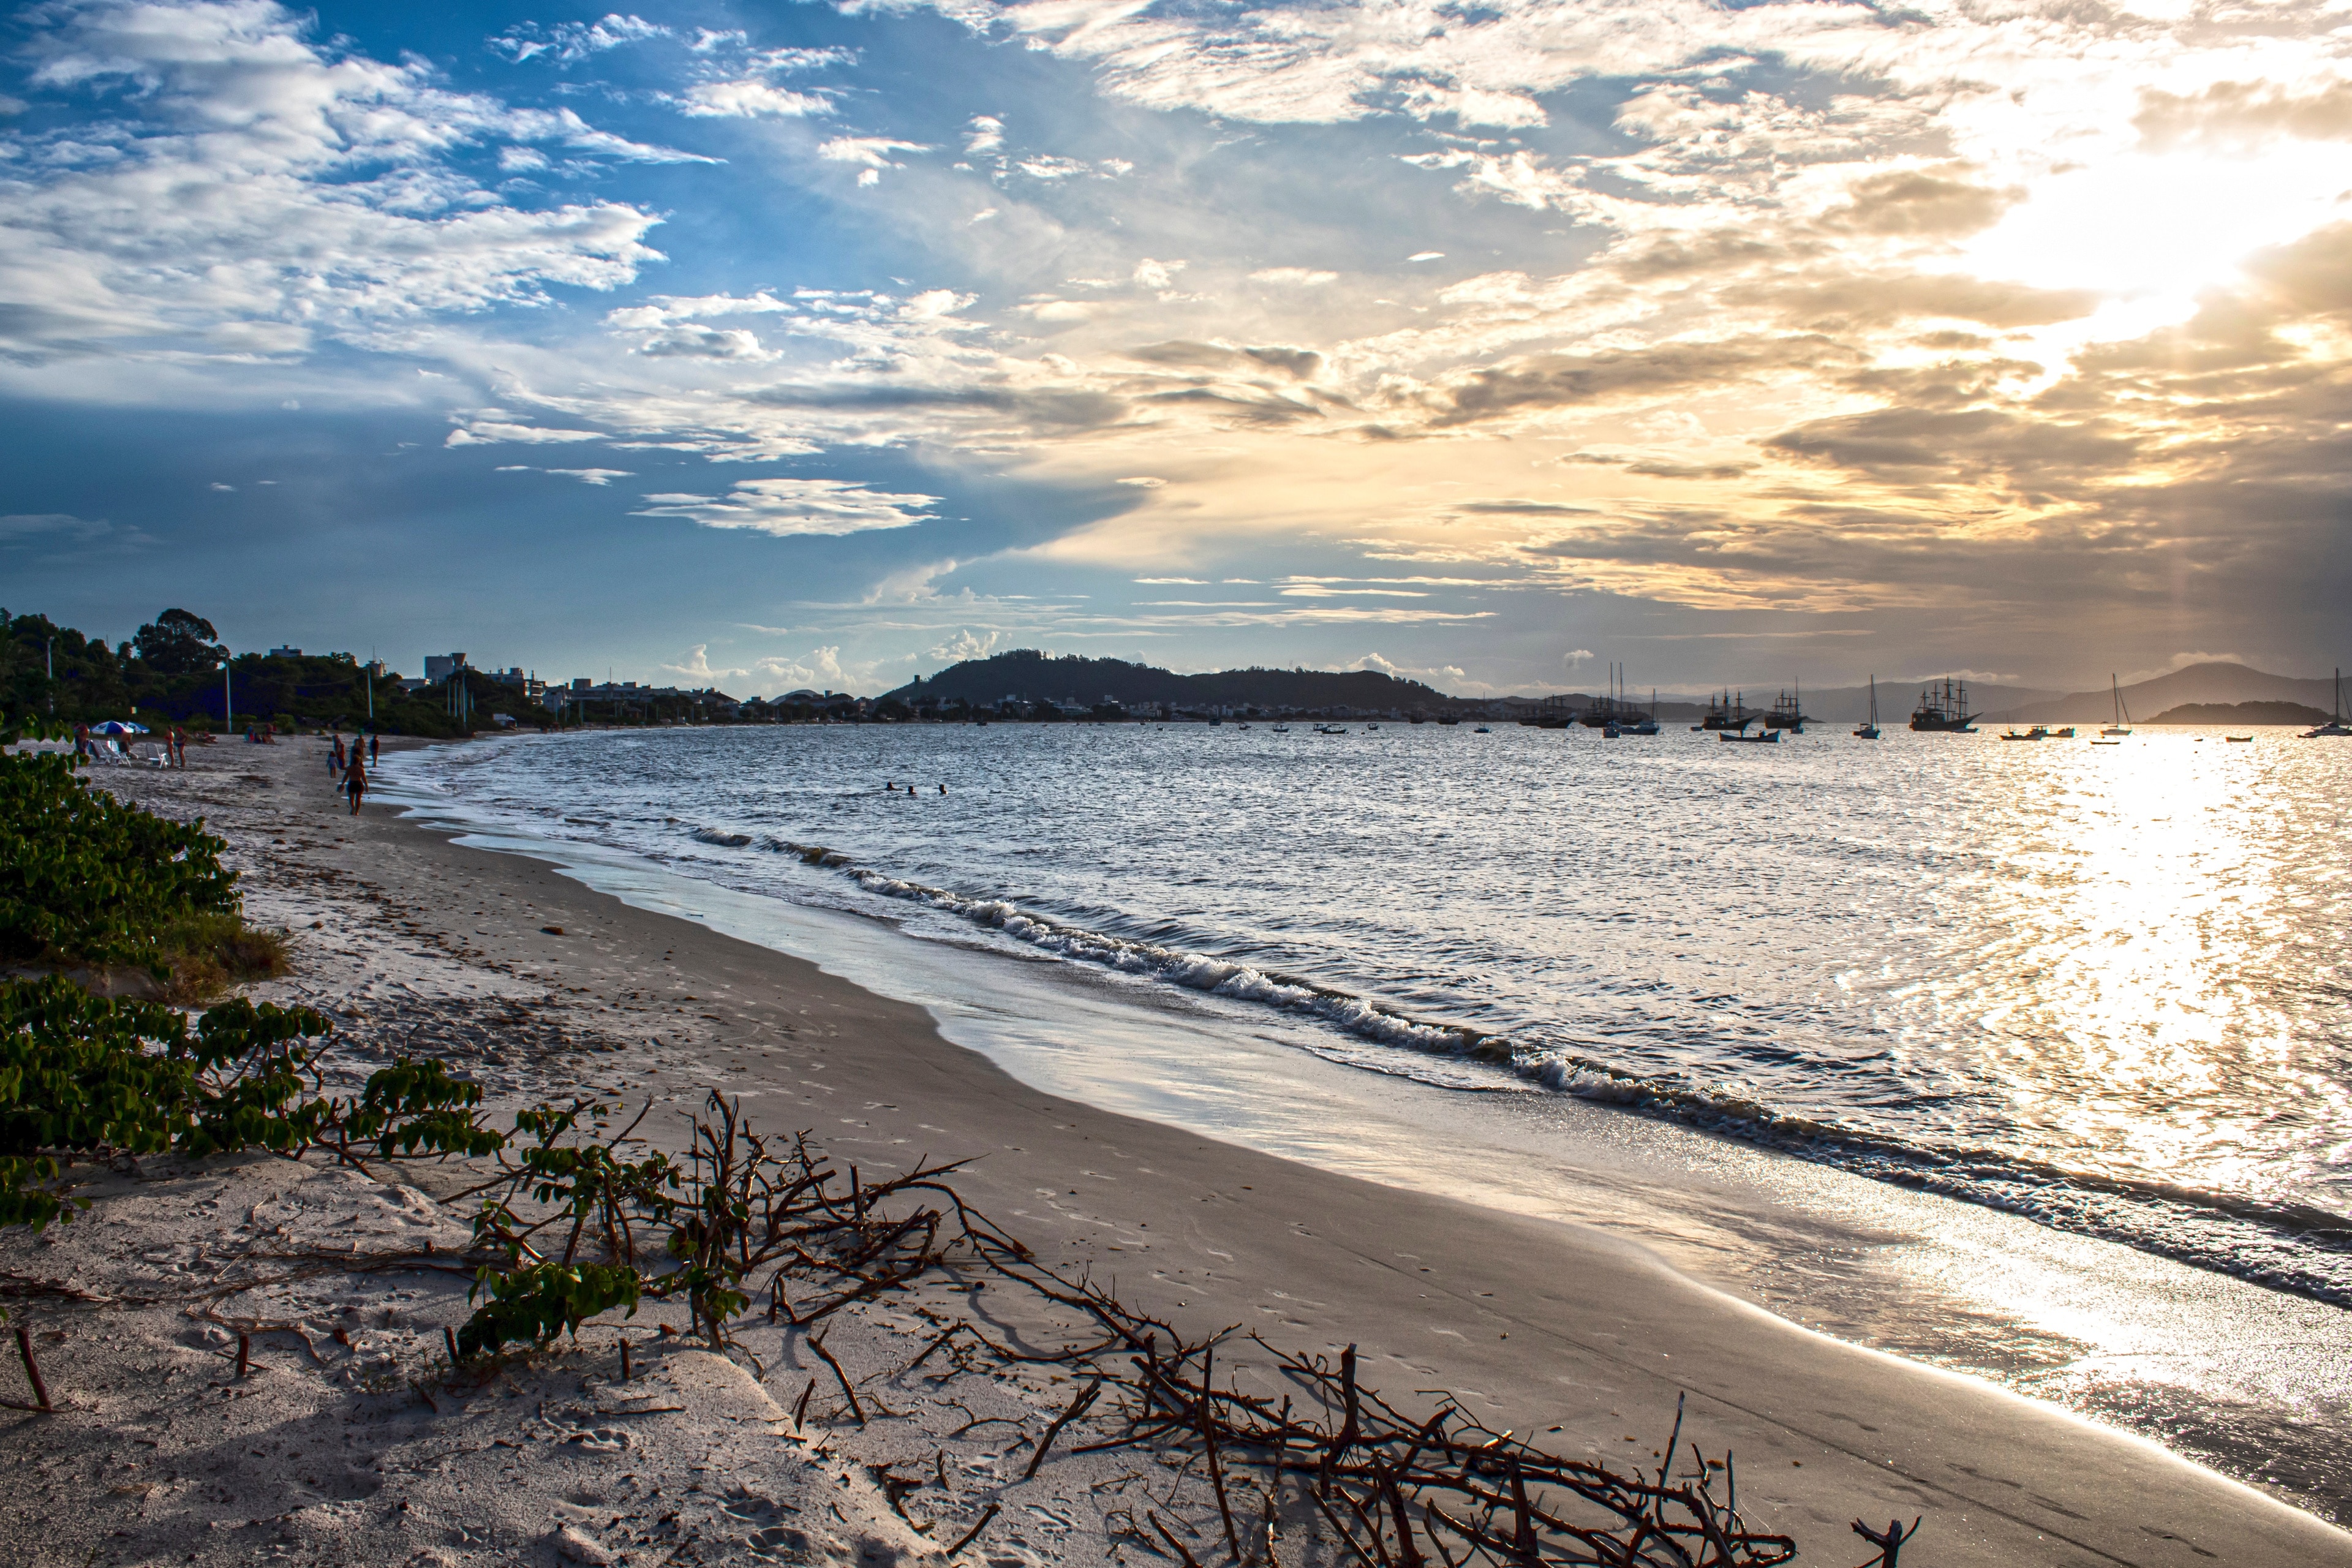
(335, 762)
(374, 742)
(355, 780)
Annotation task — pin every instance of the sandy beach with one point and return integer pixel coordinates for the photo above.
(537, 985)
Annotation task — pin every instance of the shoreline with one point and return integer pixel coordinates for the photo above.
(2230, 1373)
(1535, 1322)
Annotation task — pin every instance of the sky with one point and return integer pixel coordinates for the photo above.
(821, 344)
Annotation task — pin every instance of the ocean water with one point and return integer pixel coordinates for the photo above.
(2105, 988)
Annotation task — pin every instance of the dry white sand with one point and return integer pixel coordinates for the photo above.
(333, 1453)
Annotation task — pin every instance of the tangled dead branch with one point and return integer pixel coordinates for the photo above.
(749, 1219)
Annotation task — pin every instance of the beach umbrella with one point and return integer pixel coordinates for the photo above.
(118, 727)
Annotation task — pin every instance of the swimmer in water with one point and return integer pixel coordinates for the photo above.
(944, 789)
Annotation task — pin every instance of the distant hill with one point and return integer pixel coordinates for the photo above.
(2201, 684)
(1025, 675)
(2241, 713)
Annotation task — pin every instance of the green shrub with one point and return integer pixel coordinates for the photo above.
(86, 879)
(540, 1301)
(80, 1074)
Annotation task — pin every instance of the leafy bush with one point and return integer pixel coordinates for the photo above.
(80, 1074)
(538, 1300)
(84, 877)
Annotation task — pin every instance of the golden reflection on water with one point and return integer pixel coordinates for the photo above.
(2134, 949)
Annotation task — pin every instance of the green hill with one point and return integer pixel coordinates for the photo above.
(1028, 676)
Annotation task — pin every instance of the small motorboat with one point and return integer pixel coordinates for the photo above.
(1482, 730)
(2036, 733)
(1282, 728)
(2239, 740)
(1761, 737)
(2065, 734)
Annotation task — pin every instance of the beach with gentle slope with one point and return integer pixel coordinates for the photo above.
(536, 984)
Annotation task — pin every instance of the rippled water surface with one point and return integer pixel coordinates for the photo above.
(2106, 986)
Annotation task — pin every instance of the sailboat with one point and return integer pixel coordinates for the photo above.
(2116, 691)
(1870, 732)
(2335, 729)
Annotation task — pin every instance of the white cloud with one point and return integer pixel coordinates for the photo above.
(573, 41)
(1150, 274)
(1427, 256)
(594, 476)
(696, 668)
(872, 151)
(255, 190)
(790, 507)
(749, 99)
(490, 432)
(1298, 276)
(983, 134)
(1143, 482)
(964, 645)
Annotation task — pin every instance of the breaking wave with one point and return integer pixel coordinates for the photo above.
(2284, 1246)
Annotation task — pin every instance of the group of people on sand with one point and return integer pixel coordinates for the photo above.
(91, 748)
(890, 786)
(352, 767)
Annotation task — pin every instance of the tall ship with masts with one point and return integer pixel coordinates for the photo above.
(1944, 710)
(1730, 712)
(1788, 713)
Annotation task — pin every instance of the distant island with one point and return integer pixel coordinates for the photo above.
(2241, 713)
(1074, 683)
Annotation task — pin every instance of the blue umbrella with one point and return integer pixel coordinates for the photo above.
(118, 727)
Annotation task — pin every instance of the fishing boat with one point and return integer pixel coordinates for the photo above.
(1282, 728)
(1767, 737)
(1870, 732)
(2065, 734)
(2241, 739)
(2335, 729)
(2118, 726)
(1482, 730)
(1626, 719)
(2036, 733)
(1944, 711)
(1788, 713)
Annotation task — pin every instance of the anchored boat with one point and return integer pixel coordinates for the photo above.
(2335, 729)
(1869, 731)
(1945, 711)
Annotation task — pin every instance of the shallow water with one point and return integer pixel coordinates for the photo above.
(1171, 900)
(2103, 986)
